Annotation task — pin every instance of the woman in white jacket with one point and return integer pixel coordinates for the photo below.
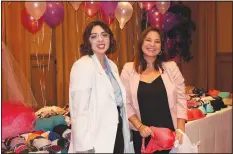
(97, 97)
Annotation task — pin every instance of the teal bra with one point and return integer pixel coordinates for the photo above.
(203, 110)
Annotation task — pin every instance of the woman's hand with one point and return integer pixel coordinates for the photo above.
(179, 137)
(145, 131)
(180, 127)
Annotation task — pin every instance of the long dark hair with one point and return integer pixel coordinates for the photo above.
(85, 48)
(140, 63)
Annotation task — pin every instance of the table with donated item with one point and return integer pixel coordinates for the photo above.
(214, 132)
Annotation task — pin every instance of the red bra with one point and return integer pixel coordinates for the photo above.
(163, 139)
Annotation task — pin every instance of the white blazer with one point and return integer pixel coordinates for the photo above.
(93, 109)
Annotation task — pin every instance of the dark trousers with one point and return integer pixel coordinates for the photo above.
(137, 143)
(119, 141)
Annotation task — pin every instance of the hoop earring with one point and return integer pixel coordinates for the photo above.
(160, 53)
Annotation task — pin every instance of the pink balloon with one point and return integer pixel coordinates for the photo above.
(108, 19)
(146, 5)
(75, 5)
(123, 13)
(91, 8)
(36, 9)
(155, 18)
(108, 7)
(162, 6)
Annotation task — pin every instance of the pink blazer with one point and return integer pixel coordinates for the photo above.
(174, 84)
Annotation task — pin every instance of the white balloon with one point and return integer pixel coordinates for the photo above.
(123, 13)
(36, 9)
(163, 6)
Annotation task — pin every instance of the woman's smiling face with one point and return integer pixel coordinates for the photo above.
(151, 46)
(99, 39)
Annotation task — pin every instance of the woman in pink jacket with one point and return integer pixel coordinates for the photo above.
(155, 90)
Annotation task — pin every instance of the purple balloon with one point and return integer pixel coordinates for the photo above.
(54, 13)
(170, 21)
(108, 7)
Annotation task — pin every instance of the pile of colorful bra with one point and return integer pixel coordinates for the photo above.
(198, 107)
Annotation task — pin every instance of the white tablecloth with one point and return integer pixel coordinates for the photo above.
(214, 131)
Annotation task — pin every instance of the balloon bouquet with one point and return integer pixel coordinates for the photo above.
(35, 13)
(175, 20)
(109, 11)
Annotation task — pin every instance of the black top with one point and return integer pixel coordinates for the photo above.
(153, 104)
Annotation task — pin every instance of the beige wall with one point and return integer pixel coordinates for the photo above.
(224, 26)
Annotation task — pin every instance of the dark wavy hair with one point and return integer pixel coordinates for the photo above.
(85, 48)
(140, 63)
